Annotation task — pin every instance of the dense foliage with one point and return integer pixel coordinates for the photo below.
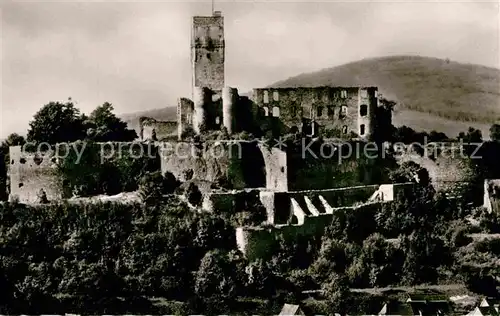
(91, 169)
(91, 253)
(58, 122)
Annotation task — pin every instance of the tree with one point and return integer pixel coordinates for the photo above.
(193, 194)
(215, 276)
(331, 259)
(410, 171)
(152, 186)
(14, 139)
(261, 280)
(384, 129)
(472, 136)
(336, 291)
(495, 132)
(57, 122)
(424, 253)
(379, 257)
(106, 126)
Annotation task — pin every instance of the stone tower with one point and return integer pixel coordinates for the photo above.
(367, 106)
(207, 52)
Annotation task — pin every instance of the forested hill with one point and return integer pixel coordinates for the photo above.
(432, 93)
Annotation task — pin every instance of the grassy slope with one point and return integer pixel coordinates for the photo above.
(432, 94)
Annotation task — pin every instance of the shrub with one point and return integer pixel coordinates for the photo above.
(154, 185)
(193, 194)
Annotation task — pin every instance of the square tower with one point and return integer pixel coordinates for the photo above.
(207, 51)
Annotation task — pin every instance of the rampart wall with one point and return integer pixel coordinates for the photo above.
(308, 213)
(261, 242)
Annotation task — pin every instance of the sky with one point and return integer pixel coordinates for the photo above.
(136, 55)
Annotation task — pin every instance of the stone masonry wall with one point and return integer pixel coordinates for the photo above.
(330, 107)
(260, 242)
(207, 47)
(30, 173)
(152, 129)
(447, 167)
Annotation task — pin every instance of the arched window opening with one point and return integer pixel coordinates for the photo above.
(266, 96)
(266, 111)
(276, 96)
(343, 111)
(344, 129)
(276, 111)
(362, 129)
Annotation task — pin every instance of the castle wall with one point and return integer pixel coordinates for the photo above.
(230, 202)
(330, 107)
(207, 51)
(229, 100)
(239, 162)
(152, 129)
(202, 99)
(185, 109)
(29, 173)
(261, 242)
(276, 168)
(313, 211)
(367, 106)
(448, 168)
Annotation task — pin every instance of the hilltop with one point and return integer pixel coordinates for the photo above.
(432, 93)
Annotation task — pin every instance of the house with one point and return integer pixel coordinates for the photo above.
(490, 302)
(483, 310)
(429, 304)
(290, 309)
(418, 304)
(396, 308)
(488, 306)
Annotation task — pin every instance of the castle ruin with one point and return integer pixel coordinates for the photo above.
(351, 111)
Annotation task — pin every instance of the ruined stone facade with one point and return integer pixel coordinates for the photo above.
(154, 130)
(350, 110)
(32, 175)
